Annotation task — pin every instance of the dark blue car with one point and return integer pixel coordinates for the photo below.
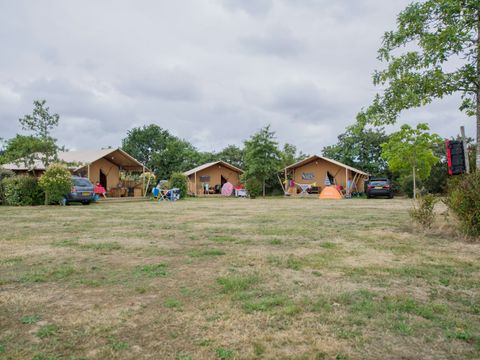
(82, 191)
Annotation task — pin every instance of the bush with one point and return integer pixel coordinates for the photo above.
(56, 182)
(463, 200)
(4, 173)
(407, 186)
(22, 191)
(180, 181)
(254, 187)
(422, 211)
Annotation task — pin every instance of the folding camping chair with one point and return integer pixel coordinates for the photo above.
(170, 195)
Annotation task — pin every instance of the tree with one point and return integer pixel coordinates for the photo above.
(160, 151)
(27, 150)
(360, 147)
(289, 155)
(233, 155)
(433, 53)
(411, 150)
(41, 122)
(261, 157)
(56, 182)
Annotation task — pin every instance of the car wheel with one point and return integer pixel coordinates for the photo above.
(86, 202)
(390, 196)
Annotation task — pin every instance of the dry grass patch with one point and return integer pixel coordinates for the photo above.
(234, 279)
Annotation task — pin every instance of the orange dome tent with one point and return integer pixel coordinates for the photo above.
(330, 193)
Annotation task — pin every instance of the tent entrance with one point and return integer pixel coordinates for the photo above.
(223, 181)
(103, 179)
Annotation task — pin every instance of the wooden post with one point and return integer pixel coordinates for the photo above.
(346, 181)
(143, 175)
(465, 149)
(88, 172)
(286, 183)
(195, 184)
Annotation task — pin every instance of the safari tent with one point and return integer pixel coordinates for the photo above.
(113, 168)
(314, 173)
(210, 177)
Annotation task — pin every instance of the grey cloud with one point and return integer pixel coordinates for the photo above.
(209, 72)
(170, 85)
(278, 42)
(304, 101)
(252, 7)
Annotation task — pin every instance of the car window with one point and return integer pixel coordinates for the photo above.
(378, 183)
(82, 182)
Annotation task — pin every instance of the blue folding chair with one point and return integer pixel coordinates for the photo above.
(170, 195)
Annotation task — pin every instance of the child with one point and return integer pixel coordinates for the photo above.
(100, 190)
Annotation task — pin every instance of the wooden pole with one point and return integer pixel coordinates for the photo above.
(143, 175)
(88, 172)
(465, 149)
(195, 184)
(346, 181)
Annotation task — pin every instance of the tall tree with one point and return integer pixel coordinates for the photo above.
(411, 150)
(262, 156)
(233, 155)
(38, 146)
(360, 147)
(160, 151)
(433, 53)
(289, 155)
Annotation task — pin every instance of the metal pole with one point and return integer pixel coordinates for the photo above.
(465, 149)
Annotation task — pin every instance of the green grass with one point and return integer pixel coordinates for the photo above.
(153, 270)
(47, 331)
(206, 252)
(173, 303)
(30, 319)
(236, 279)
(225, 354)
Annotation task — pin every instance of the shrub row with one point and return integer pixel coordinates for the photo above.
(21, 190)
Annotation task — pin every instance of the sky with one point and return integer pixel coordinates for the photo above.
(210, 71)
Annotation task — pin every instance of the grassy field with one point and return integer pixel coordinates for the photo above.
(235, 279)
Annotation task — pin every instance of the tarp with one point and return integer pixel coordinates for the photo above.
(330, 193)
(227, 189)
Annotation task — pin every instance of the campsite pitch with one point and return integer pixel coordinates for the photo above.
(235, 279)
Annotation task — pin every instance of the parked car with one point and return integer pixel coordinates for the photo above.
(82, 191)
(379, 187)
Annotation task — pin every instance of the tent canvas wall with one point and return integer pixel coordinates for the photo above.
(97, 165)
(317, 169)
(214, 173)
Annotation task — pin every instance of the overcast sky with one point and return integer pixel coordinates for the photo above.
(212, 71)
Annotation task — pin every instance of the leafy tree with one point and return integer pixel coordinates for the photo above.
(433, 53)
(160, 151)
(233, 155)
(41, 122)
(27, 150)
(56, 182)
(180, 181)
(262, 157)
(411, 150)
(289, 155)
(360, 147)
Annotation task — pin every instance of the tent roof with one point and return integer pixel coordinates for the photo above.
(210, 164)
(82, 158)
(317, 157)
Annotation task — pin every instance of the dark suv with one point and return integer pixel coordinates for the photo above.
(82, 191)
(379, 187)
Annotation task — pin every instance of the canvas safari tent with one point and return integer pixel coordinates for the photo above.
(113, 168)
(212, 176)
(317, 172)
